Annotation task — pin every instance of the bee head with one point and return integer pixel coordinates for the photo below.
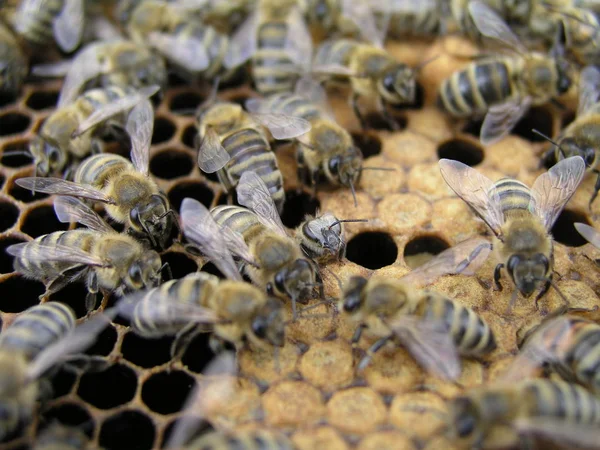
(48, 155)
(353, 297)
(296, 280)
(144, 272)
(398, 85)
(464, 418)
(346, 167)
(11, 77)
(152, 218)
(570, 147)
(268, 325)
(528, 272)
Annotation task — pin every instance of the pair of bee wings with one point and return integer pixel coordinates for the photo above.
(499, 119)
(139, 126)
(67, 209)
(76, 341)
(67, 25)
(550, 192)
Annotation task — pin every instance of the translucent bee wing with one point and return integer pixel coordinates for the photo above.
(283, 126)
(589, 234)
(56, 69)
(330, 70)
(63, 187)
(199, 226)
(139, 126)
(57, 252)
(236, 245)
(255, 105)
(224, 366)
(298, 41)
(68, 25)
(116, 107)
(243, 43)
(254, 194)
(430, 344)
(78, 340)
(403, 6)
(589, 89)
(361, 13)
(501, 119)
(71, 209)
(490, 24)
(25, 9)
(476, 190)
(212, 156)
(189, 52)
(311, 89)
(567, 433)
(553, 189)
(464, 258)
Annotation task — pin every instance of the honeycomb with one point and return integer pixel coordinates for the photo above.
(315, 396)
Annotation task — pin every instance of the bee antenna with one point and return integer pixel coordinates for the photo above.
(147, 231)
(17, 153)
(344, 221)
(424, 63)
(339, 281)
(539, 133)
(168, 268)
(353, 193)
(327, 301)
(558, 291)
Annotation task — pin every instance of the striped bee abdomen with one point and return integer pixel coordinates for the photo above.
(292, 105)
(240, 220)
(515, 197)
(473, 90)
(97, 169)
(38, 327)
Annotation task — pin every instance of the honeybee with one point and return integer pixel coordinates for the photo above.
(61, 437)
(413, 17)
(40, 22)
(581, 32)
(108, 63)
(433, 327)
(279, 43)
(129, 194)
(324, 148)
(568, 344)
(519, 217)
(502, 88)
(579, 137)
(184, 40)
(42, 337)
(235, 311)
(105, 259)
(230, 142)
(270, 258)
(563, 412)
(68, 134)
(14, 63)
(373, 73)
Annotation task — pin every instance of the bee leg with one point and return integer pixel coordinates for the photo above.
(183, 339)
(62, 280)
(90, 298)
(389, 119)
(357, 113)
(543, 291)
(357, 335)
(378, 345)
(497, 276)
(596, 189)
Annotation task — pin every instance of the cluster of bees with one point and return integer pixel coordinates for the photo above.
(121, 63)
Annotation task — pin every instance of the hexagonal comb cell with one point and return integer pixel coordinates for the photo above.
(108, 388)
(13, 123)
(166, 392)
(372, 249)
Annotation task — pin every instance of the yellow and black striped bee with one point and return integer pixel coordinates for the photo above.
(581, 32)
(105, 259)
(231, 141)
(117, 62)
(68, 135)
(519, 217)
(561, 412)
(277, 40)
(129, 194)
(433, 327)
(169, 28)
(36, 341)
(580, 137)
(373, 74)
(569, 345)
(502, 87)
(272, 260)
(14, 62)
(60, 21)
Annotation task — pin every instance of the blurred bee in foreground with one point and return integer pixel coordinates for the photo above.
(433, 327)
(269, 257)
(589, 234)
(581, 31)
(412, 17)
(580, 137)
(39, 339)
(117, 62)
(503, 87)
(520, 218)
(105, 259)
(69, 134)
(61, 437)
(569, 345)
(129, 194)
(278, 42)
(235, 311)
(40, 22)
(14, 63)
(194, 47)
(562, 412)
